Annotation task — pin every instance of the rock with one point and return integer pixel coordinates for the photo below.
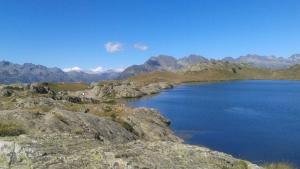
(73, 99)
(116, 89)
(125, 89)
(154, 88)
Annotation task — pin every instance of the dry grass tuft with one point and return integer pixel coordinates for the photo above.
(278, 166)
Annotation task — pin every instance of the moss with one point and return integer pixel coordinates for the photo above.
(10, 129)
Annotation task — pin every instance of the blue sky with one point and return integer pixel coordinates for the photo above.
(118, 33)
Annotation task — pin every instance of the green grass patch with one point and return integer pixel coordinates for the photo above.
(13, 88)
(11, 129)
(68, 86)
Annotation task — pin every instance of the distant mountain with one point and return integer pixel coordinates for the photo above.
(162, 63)
(192, 59)
(27, 73)
(271, 62)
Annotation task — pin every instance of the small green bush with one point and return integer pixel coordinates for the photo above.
(10, 129)
(234, 70)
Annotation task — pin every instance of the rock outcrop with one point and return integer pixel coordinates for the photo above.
(125, 89)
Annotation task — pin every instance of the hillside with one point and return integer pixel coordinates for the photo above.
(171, 64)
(218, 71)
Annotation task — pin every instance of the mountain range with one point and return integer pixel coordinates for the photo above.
(271, 62)
(28, 72)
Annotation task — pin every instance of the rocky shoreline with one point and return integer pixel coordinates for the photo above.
(46, 128)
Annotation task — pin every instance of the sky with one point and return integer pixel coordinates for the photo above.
(103, 34)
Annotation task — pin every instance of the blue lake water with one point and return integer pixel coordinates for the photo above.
(254, 120)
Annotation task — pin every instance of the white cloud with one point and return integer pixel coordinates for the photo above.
(119, 69)
(76, 69)
(140, 46)
(112, 47)
(98, 70)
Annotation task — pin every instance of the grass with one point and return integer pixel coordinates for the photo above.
(238, 165)
(68, 86)
(278, 166)
(61, 118)
(10, 129)
(13, 88)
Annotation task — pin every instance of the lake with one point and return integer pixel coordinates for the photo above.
(254, 120)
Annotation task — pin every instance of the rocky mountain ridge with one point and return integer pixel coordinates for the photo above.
(169, 63)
